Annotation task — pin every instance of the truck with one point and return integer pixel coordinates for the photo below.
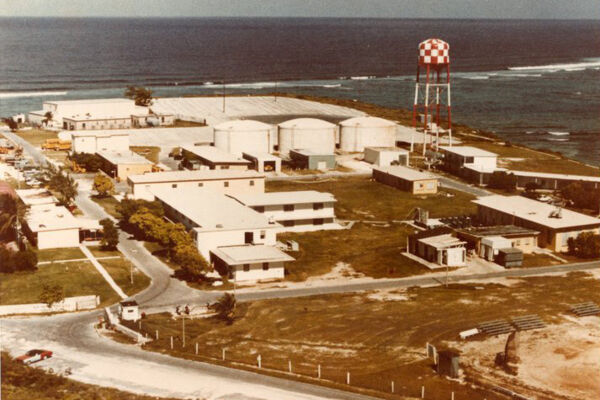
(56, 145)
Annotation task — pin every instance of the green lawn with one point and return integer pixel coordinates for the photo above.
(37, 136)
(119, 269)
(68, 253)
(149, 152)
(76, 278)
(98, 252)
(370, 250)
(365, 199)
(109, 204)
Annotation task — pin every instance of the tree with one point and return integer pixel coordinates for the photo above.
(91, 162)
(59, 182)
(25, 260)
(110, 237)
(581, 196)
(12, 212)
(193, 266)
(51, 294)
(225, 307)
(585, 245)
(141, 95)
(48, 116)
(531, 190)
(128, 207)
(103, 185)
(147, 225)
(503, 181)
(11, 123)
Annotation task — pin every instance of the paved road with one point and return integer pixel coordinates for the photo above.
(463, 187)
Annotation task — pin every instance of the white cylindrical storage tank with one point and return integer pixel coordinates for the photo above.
(307, 134)
(239, 136)
(360, 132)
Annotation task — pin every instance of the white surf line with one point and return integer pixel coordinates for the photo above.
(103, 272)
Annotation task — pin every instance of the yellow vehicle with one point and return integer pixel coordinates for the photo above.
(56, 145)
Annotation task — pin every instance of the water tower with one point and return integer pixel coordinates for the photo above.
(434, 59)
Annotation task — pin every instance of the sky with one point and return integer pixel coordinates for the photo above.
(546, 9)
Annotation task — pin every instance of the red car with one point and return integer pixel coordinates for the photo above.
(34, 356)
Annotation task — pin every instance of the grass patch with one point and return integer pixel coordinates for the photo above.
(76, 278)
(370, 250)
(365, 199)
(376, 341)
(22, 382)
(109, 204)
(37, 136)
(98, 252)
(67, 253)
(119, 269)
(186, 124)
(149, 152)
(538, 260)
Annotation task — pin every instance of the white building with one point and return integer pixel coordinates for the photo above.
(296, 211)
(308, 134)
(226, 181)
(129, 310)
(121, 164)
(50, 226)
(88, 114)
(491, 245)
(100, 140)
(36, 197)
(386, 156)
(263, 162)
(360, 132)
(251, 263)
(211, 157)
(239, 136)
(469, 162)
(438, 246)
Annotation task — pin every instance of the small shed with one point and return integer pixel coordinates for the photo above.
(510, 257)
(386, 156)
(490, 246)
(263, 162)
(307, 159)
(129, 310)
(448, 363)
(407, 179)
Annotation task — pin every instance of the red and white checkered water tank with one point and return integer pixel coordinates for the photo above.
(434, 52)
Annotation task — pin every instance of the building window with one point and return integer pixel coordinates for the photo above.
(251, 183)
(288, 207)
(263, 234)
(83, 125)
(200, 184)
(174, 185)
(265, 266)
(246, 267)
(226, 184)
(317, 206)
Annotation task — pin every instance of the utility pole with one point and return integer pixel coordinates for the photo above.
(224, 94)
(276, 88)
(183, 331)
(131, 272)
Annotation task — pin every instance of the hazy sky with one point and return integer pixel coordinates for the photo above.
(306, 8)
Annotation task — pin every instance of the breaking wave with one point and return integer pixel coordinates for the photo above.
(579, 66)
(9, 95)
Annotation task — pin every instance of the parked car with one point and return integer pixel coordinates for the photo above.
(34, 355)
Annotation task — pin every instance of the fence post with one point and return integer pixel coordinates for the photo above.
(422, 392)
(319, 371)
(392, 386)
(223, 352)
(347, 378)
(259, 361)
(157, 334)
(196, 348)
(171, 342)
(290, 366)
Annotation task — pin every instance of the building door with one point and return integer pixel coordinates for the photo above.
(248, 237)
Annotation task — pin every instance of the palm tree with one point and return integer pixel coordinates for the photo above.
(225, 307)
(48, 116)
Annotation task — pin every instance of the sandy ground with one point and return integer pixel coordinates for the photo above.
(561, 359)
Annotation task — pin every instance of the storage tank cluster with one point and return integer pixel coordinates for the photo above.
(319, 136)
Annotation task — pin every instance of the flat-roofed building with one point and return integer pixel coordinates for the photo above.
(50, 226)
(386, 156)
(100, 140)
(250, 262)
(309, 159)
(521, 238)
(215, 219)
(407, 179)
(226, 181)
(550, 181)
(263, 162)
(470, 162)
(555, 225)
(211, 158)
(438, 246)
(36, 197)
(296, 211)
(121, 164)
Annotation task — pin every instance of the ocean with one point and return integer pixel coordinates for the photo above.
(535, 82)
